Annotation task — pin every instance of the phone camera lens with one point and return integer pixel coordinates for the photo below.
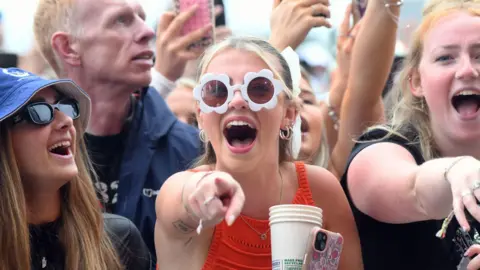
(321, 241)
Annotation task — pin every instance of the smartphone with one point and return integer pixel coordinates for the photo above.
(460, 241)
(358, 9)
(203, 16)
(323, 250)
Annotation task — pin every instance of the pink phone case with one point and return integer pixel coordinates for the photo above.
(329, 258)
(203, 16)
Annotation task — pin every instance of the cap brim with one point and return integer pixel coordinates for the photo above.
(25, 92)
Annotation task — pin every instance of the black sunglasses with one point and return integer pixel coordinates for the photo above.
(42, 113)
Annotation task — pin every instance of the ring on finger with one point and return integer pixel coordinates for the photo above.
(476, 185)
(466, 193)
(208, 200)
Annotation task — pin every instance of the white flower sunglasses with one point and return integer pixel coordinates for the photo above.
(259, 89)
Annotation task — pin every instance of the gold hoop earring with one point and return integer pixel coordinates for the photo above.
(286, 134)
(202, 135)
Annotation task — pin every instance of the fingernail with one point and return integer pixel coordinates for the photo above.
(465, 229)
(465, 254)
(230, 220)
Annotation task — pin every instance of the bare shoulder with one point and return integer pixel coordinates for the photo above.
(322, 182)
(202, 168)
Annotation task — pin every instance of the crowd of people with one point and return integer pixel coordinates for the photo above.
(119, 155)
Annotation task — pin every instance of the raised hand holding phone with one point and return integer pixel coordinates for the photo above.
(323, 250)
(297, 18)
(204, 16)
(174, 45)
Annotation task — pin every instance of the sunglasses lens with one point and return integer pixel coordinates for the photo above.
(214, 93)
(69, 108)
(40, 113)
(260, 90)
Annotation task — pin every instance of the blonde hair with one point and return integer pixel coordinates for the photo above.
(265, 51)
(50, 17)
(82, 234)
(410, 113)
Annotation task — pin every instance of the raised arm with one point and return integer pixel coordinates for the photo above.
(362, 105)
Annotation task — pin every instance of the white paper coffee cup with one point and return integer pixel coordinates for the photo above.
(297, 216)
(296, 207)
(290, 230)
(276, 212)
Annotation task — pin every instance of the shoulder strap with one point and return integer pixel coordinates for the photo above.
(304, 194)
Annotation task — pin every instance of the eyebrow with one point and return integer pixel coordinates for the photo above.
(58, 96)
(453, 47)
(127, 8)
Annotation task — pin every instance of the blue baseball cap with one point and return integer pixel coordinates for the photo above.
(17, 88)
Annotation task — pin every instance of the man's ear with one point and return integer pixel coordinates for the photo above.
(415, 83)
(62, 44)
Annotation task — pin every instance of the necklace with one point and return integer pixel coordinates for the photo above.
(263, 236)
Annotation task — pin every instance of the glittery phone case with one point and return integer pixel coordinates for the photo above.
(203, 16)
(327, 257)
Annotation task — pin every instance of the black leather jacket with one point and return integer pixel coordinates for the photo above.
(48, 254)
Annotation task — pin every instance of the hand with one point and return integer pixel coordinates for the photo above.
(221, 33)
(474, 264)
(217, 196)
(464, 179)
(297, 18)
(345, 43)
(172, 49)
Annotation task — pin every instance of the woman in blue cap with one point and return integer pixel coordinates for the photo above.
(50, 217)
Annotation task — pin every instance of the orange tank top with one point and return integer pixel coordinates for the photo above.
(240, 247)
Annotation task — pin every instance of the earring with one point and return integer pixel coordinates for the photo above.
(286, 134)
(202, 135)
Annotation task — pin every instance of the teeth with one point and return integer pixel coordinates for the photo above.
(467, 93)
(238, 123)
(60, 144)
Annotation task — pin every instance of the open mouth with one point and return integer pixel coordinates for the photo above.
(304, 126)
(144, 56)
(466, 103)
(240, 134)
(61, 149)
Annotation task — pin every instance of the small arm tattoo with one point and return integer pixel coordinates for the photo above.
(183, 227)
